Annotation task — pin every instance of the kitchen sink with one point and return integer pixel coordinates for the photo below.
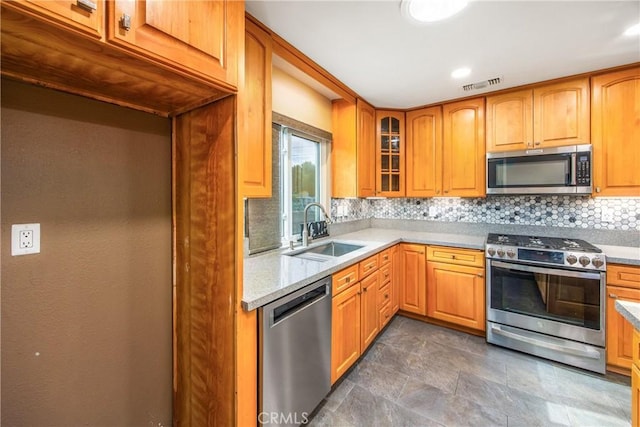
(325, 251)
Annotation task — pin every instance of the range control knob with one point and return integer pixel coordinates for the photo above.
(511, 253)
(584, 261)
(597, 262)
(491, 251)
(501, 252)
(572, 259)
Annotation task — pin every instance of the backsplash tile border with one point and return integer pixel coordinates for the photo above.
(556, 211)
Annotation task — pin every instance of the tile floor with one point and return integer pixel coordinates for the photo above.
(417, 374)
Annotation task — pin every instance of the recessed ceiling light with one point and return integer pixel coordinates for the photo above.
(461, 72)
(634, 30)
(424, 11)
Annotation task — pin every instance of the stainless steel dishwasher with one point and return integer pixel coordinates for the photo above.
(295, 350)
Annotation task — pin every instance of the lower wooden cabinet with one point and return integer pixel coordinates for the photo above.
(456, 286)
(623, 283)
(369, 324)
(635, 396)
(455, 294)
(345, 331)
(413, 287)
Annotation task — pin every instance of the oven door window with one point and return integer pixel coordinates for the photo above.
(552, 170)
(551, 296)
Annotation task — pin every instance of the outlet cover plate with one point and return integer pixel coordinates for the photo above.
(25, 239)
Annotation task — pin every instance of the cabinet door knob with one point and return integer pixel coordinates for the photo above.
(480, 275)
(614, 296)
(347, 279)
(597, 189)
(87, 5)
(537, 143)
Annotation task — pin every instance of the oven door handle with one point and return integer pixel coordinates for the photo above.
(586, 352)
(551, 271)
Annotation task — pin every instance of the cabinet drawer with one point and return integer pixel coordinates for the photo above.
(368, 266)
(344, 279)
(455, 256)
(385, 256)
(384, 294)
(385, 274)
(623, 275)
(384, 315)
(636, 348)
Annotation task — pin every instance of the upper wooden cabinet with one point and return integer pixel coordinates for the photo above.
(176, 56)
(84, 16)
(353, 149)
(463, 170)
(615, 120)
(547, 116)
(423, 163)
(200, 37)
(255, 140)
(390, 153)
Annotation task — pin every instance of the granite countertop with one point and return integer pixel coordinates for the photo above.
(273, 275)
(630, 311)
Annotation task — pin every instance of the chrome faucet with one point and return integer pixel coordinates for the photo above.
(305, 232)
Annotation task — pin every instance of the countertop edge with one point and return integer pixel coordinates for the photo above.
(630, 311)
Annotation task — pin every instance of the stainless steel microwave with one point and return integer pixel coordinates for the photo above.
(556, 170)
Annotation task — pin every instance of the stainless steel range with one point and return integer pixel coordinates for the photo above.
(546, 296)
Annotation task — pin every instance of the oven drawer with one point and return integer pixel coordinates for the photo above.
(457, 256)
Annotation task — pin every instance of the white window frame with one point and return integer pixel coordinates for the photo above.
(324, 180)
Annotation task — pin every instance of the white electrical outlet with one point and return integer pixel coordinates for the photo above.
(432, 211)
(25, 239)
(607, 214)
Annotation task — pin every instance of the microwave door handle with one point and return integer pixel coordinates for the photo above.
(574, 168)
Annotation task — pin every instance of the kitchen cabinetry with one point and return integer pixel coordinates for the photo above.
(390, 153)
(353, 149)
(547, 116)
(85, 17)
(255, 146)
(354, 318)
(413, 290)
(463, 169)
(198, 37)
(424, 152)
(385, 289)
(635, 381)
(623, 282)
(615, 120)
(176, 56)
(456, 286)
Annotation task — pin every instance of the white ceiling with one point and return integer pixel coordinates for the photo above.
(393, 63)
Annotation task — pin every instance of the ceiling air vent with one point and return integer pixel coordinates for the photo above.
(482, 84)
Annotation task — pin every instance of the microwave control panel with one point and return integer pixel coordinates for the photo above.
(583, 169)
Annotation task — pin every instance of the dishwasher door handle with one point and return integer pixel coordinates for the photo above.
(297, 304)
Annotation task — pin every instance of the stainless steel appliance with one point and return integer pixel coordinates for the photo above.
(556, 170)
(295, 348)
(546, 296)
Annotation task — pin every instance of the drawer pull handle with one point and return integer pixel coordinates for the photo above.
(614, 296)
(125, 22)
(87, 5)
(347, 279)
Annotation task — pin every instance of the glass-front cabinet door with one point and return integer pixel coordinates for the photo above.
(390, 153)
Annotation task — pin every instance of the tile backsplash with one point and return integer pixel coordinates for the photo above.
(556, 211)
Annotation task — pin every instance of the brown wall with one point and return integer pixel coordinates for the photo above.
(95, 304)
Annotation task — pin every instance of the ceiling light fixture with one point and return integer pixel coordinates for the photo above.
(634, 30)
(425, 11)
(461, 73)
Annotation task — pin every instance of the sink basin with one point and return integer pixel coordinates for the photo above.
(326, 251)
(334, 249)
